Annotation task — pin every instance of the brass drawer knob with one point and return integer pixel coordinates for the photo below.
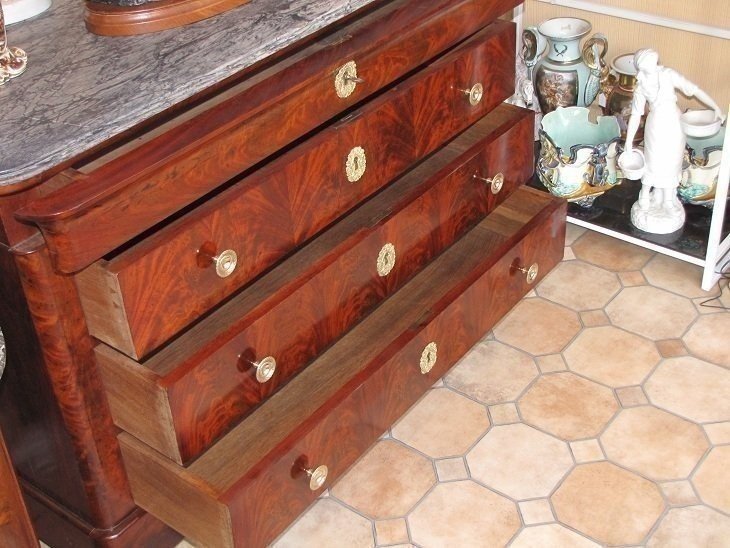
(428, 357)
(496, 183)
(356, 164)
(346, 80)
(225, 262)
(265, 369)
(317, 476)
(530, 272)
(386, 259)
(475, 93)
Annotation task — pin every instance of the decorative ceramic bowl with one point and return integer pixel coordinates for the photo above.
(578, 157)
(632, 164)
(700, 123)
(701, 169)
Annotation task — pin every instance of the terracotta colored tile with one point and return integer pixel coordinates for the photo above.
(538, 327)
(536, 511)
(611, 253)
(631, 396)
(671, 348)
(587, 451)
(451, 469)
(568, 254)
(651, 312)
(712, 479)
(694, 526)
(392, 531)
(719, 432)
(327, 524)
(594, 318)
(493, 373)
(463, 514)
(679, 493)
(387, 482)
(519, 461)
(608, 503)
(551, 363)
(611, 356)
(504, 413)
(691, 388)
(632, 279)
(674, 275)
(431, 430)
(709, 339)
(572, 233)
(551, 536)
(579, 286)
(568, 406)
(654, 443)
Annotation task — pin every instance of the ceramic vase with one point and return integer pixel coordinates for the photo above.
(619, 92)
(701, 169)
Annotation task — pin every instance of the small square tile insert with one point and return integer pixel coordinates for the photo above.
(536, 511)
(587, 451)
(679, 492)
(594, 318)
(719, 432)
(671, 348)
(632, 279)
(551, 363)
(631, 396)
(451, 469)
(504, 413)
(391, 531)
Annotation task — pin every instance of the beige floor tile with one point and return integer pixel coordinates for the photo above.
(632, 279)
(715, 301)
(551, 536)
(572, 233)
(463, 514)
(327, 524)
(709, 338)
(550, 327)
(654, 443)
(568, 254)
(692, 527)
(387, 482)
(519, 461)
(493, 373)
(631, 396)
(611, 253)
(651, 312)
(391, 531)
(675, 276)
(551, 363)
(181, 544)
(608, 503)
(451, 469)
(719, 432)
(692, 388)
(579, 286)
(712, 479)
(679, 493)
(536, 511)
(587, 451)
(594, 318)
(671, 348)
(611, 356)
(504, 413)
(568, 406)
(427, 428)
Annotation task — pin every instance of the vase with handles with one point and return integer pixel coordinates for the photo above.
(564, 73)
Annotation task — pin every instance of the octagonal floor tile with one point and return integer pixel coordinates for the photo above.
(579, 286)
(442, 424)
(519, 461)
(493, 373)
(709, 338)
(552, 535)
(463, 514)
(611, 253)
(675, 276)
(712, 479)
(654, 443)
(573, 232)
(693, 526)
(327, 524)
(387, 482)
(608, 503)
(538, 327)
(568, 406)
(612, 356)
(692, 388)
(651, 312)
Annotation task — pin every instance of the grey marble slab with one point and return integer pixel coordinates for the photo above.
(80, 89)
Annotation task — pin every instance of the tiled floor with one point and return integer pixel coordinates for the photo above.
(596, 413)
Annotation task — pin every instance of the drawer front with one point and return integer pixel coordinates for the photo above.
(187, 268)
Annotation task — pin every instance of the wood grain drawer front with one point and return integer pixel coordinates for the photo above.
(190, 266)
(191, 392)
(332, 411)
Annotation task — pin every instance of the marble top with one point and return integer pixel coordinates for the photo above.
(80, 89)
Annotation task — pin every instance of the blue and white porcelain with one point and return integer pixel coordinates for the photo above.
(701, 169)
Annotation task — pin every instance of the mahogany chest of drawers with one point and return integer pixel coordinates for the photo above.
(229, 307)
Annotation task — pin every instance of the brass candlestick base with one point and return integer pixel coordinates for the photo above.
(13, 61)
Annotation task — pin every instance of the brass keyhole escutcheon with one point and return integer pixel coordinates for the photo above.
(386, 259)
(356, 164)
(428, 357)
(495, 183)
(346, 80)
(530, 272)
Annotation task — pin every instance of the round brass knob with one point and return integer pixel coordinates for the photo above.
(475, 93)
(346, 80)
(225, 262)
(428, 357)
(317, 476)
(530, 272)
(265, 369)
(386, 259)
(496, 183)
(356, 164)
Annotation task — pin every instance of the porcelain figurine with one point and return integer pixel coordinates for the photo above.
(578, 157)
(701, 169)
(13, 61)
(619, 91)
(567, 75)
(658, 209)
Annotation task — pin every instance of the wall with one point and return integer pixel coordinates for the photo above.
(703, 59)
